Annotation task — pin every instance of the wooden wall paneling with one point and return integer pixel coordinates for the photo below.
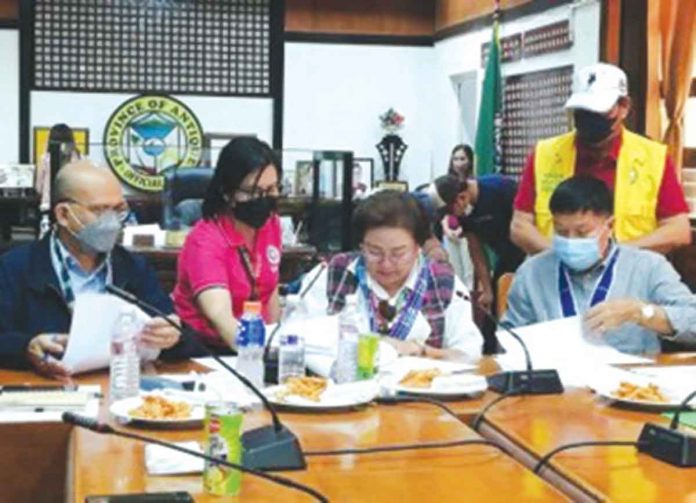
(653, 98)
(689, 159)
(634, 58)
(630, 38)
(452, 12)
(368, 17)
(9, 10)
(609, 45)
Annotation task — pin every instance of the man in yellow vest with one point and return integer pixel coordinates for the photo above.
(650, 210)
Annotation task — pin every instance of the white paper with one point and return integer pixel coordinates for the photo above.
(91, 409)
(89, 343)
(320, 334)
(560, 345)
(160, 460)
(677, 373)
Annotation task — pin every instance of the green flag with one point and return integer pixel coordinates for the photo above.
(488, 151)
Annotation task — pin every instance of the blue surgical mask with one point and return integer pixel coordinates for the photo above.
(578, 254)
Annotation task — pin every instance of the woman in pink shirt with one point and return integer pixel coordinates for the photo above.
(233, 253)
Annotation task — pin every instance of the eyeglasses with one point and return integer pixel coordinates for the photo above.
(123, 211)
(251, 193)
(375, 256)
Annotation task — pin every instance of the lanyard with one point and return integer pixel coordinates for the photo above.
(410, 309)
(64, 275)
(250, 271)
(601, 290)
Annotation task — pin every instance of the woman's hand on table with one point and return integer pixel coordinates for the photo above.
(404, 348)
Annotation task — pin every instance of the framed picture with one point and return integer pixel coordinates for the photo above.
(41, 141)
(399, 185)
(213, 143)
(363, 175)
(304, 179)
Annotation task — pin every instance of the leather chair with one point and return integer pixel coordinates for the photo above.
(182, 197)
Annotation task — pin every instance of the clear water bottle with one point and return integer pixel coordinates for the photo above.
(124, 370)
(251, 337)
(346, 367)
(291, 357)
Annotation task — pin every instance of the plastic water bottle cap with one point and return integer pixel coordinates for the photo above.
(252, 307)
(291, 339)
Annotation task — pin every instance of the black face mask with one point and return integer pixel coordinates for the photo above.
(592, 127)
(256, 212)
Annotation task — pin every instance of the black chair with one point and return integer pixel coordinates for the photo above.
(182, 196)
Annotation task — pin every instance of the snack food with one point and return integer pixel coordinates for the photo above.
(649, 393)
(310, 388)
(157, 407)
(420, 378)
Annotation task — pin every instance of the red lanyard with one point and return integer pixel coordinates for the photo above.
(249, 268)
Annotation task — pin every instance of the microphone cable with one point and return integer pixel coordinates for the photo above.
(599, 443)
(674, 424)
(93, 425)
(478, 419)
(392, 400)
(404, 447)
(129, 297)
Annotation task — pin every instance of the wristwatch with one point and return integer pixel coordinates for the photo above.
(647, 312)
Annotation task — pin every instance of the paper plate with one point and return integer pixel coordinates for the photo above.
(121, 411)
(336, 397)
(449, 386)
(673, 396)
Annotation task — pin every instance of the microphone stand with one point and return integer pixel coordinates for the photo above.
(519, 382)
(669, 444)
(96, 426)
(270, 359)
(266, 448)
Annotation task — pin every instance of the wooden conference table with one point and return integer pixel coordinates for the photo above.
(100, 464)
(528, 427)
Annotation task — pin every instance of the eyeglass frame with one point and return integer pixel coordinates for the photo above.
(123, 214)
(255, 192)
(377, 257)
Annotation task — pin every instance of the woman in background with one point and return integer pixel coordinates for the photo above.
(412, 301)
(233, 254)
(461, 161)
(461, 165)
(59, 134)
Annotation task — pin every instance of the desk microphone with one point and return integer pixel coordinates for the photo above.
(270, 359)
(519, 382)
(98, 427)
(266, 448)
(669, 444)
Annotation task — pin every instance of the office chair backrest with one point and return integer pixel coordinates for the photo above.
(182, 184)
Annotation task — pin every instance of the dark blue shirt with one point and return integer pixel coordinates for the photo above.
(491, 217)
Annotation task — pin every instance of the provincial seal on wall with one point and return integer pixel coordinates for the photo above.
(149, 134)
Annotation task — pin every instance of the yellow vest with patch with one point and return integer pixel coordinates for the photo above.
(639, 171)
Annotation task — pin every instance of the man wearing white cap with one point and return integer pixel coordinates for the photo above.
(649, 206)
